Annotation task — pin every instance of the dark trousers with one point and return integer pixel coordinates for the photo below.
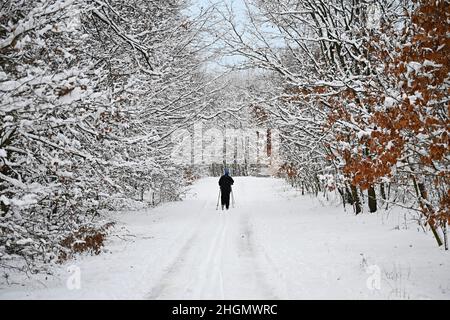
(225, 197)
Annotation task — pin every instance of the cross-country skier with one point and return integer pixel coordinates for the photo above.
(225, 183)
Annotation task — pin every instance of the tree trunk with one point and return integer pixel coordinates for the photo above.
(372, 199)
(388, 195)
(444, 229)
(422, 195)
(382, 191)
(317, 181)
(348, 196)
(342, 194)
(356, 202)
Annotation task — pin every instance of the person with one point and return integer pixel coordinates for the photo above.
(225, 183)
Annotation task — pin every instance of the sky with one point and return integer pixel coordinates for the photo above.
(238, 6)
(241, 19)
(239, 10)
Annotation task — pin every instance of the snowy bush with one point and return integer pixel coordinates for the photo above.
(90, 92)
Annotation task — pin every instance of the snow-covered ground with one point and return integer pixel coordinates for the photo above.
(275, 244)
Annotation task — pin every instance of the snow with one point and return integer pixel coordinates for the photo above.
(389, 102)
(9, 85)
(23, 242)
(364, 133)
(389, 145)
(275, 244)
(26, 200)
(416, 66)
(75, 95)
(429, 63)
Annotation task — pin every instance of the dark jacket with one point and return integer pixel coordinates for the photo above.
(225, 183)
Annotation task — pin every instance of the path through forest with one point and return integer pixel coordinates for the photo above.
(275, 244)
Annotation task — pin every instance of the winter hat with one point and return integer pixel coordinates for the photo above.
(227, 171)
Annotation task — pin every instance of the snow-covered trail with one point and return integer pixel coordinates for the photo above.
(218, 256)
(275, 244)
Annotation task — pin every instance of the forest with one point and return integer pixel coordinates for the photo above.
(91, 92)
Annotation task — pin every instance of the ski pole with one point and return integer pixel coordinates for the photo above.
(232, 198)
(217, 206)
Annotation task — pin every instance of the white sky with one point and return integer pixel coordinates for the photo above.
(241, 19)
(237, 5)
(239, 9)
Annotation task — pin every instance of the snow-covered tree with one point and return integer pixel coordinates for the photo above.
(363, 100)
(90, 93)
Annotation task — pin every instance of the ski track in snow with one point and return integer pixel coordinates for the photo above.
(220, 236)
(275, 244)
